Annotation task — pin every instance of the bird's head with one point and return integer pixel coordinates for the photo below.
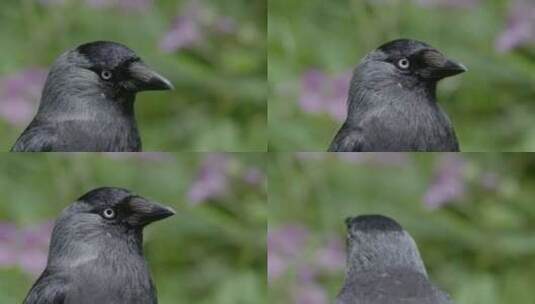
(118, 68)
(376, 242)
(102, 221)
(101, 218)
(109, 206)
(408, 63)
(98, 71)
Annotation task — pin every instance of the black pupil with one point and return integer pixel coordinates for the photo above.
(108, 212)
(106, 74)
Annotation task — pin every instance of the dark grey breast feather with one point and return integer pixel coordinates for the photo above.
(77, 136)
(347, 139)
(37, 138)
(48, 289)
(124, 281)
(397, 286)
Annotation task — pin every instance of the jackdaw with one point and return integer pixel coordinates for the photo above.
(384, 266)
(392, 103)
(96, 251)
(87, 103)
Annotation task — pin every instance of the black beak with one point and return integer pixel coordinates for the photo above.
(437, 66)
(144, 212)
(146, 79)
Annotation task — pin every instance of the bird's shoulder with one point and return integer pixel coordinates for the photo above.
(348, 139)
(50, 288)
(116, 277)
(153, 292)
(395, 286)
(37, 137)
(98, 135)
(76, 135)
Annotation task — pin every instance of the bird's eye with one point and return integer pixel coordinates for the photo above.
(108, 213)
(404, 63)
(106, 75)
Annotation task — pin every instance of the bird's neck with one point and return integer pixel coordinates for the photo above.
(89, 107)
(72, 250)
(382, 254)
(100, 124)
(362, 99)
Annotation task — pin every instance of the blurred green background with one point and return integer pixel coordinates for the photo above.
(472, 216)
(214, 52)
(491, 106)
(211, 251)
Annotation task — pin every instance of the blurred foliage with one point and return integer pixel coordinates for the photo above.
(220, 98)
(480, 247)
(491, 105)
(211, 252)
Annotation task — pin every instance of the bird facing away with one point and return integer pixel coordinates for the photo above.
(392, 103)
(96, 253)
(87, 103)
(384, 266)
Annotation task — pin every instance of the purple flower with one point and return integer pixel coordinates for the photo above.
(8, 232)
(431, 3)
(284, 245)
(32, 260)
(254, 176)
(19, 95)
(311, 293)
(307, 273)
(378, 158)
(225, 25)
(449, 182)
(490, 181)
(132, 5)
(305, 156)
(25, 248)
(129, 5)
(324, 94)
(332, 257)
(287, 249)
(450, 3)
(212, 180)
(8, 237)
(143, 156)
(520, 29)
(51, 2)
(185, 31)
(218, 174)
(276, 266)
(192, 26)
(288, 240)
(137, 5)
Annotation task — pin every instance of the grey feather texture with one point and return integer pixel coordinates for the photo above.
(87, 103)
(96, 253)
(392, 103)
(384, 266)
